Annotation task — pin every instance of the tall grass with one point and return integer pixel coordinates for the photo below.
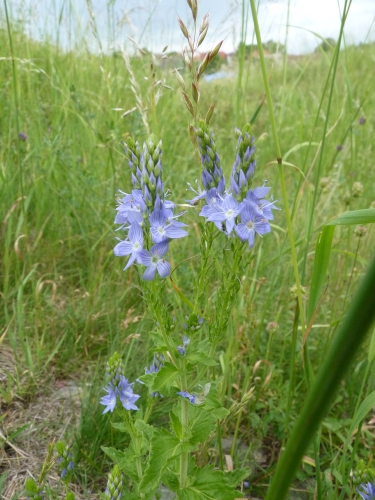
(66, 303)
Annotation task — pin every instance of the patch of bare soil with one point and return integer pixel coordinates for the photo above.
(50, 416)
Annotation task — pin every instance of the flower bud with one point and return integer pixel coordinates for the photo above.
(357, 189)
(114, 484)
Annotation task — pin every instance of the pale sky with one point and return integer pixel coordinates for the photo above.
(153, 23)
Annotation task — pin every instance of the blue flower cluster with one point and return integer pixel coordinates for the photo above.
(239, 210)
(145, 214)
(191, 397)
(64, 459)
(118, 387)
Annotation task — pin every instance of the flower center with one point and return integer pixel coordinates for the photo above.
(250, 224)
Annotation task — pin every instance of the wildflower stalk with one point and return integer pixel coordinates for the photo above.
(206, 244)
(226, 293)
(280, 164)
(184, 458)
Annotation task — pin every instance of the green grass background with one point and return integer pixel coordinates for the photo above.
(66, 304)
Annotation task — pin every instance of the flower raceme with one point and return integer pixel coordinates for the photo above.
(145, 214)
(239, 211)
(118, 387)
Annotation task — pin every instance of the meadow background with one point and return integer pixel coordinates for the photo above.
(67, 305)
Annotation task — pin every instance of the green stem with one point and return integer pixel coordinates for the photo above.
(220, 443)
(206, 244)
(184, 457)
(16, 103)
(280, 164)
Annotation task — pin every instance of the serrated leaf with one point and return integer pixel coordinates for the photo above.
(124, 459)
(171, 480)
(120, 427)
(164, 448)
(201, 423)
(148, 379)
(176, 424)
(235, 477)
(209, 484)
(146, 430)
(199, 357)
(213, 405)
(164, 377)
(158, 340)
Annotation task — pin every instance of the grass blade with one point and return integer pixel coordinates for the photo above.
(340, 356)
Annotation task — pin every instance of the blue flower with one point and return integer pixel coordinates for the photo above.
(154, 260)
(187, 395)
(368, 491)
(110, 400)
(252, 223)
(128, 398)
(161, 230)
(131, 247)
(182, 348)
(226, 211)
(124, 391)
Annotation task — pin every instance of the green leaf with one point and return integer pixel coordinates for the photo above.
(164, 377)
(213, 405)
(124, 459)
(164, 448)
(120, 427)
(146, 430)
(176, 424)
(209, 484)
(201, 424)
(158, 340)
(321, 261)
(235, 477)
(147, 379)
(365, 408)
(199, 357)
(365, 216)
(2, 481)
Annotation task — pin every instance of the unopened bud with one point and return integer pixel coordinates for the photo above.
(357, 189)
(346, 198)
(324, 182)
(272, 327)
(360, 231)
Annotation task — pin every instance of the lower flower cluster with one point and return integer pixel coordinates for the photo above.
(122, 391)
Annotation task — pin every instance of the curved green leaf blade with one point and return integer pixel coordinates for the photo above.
(365, 216)
(341, 353)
